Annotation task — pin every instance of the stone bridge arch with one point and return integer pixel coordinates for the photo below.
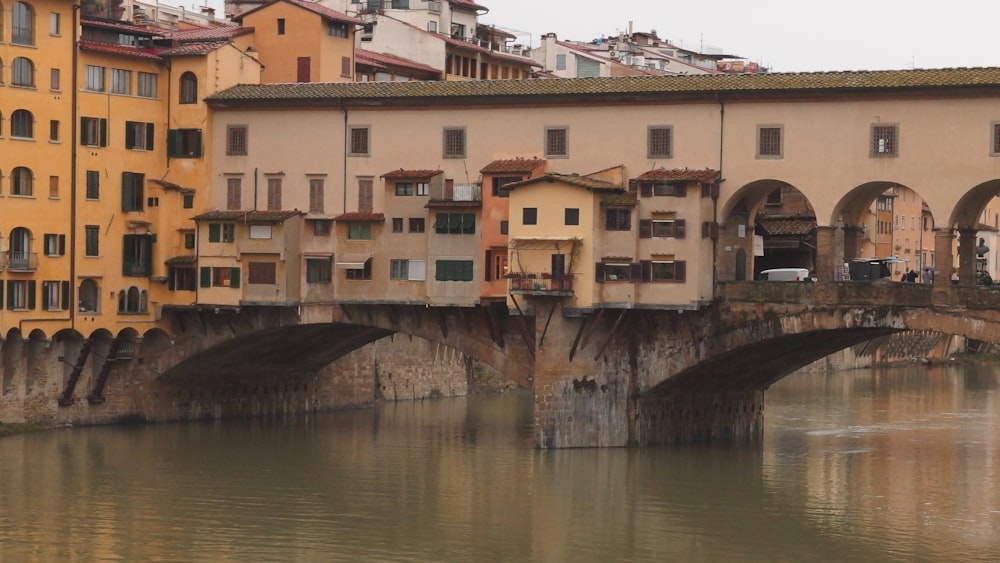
(265, 341)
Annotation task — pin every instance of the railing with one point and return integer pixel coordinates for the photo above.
(136, 268)
(19, 261)
(434, 6)
(540, 283)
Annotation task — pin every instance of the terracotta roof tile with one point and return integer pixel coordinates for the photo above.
(150, 53)
(467, 4)
(415, 174)
(116, 25)
(313, 7)
(592, 184)
(453, 203)
(215, 33)
(779, 227)
(522, 165)
(382, 59)
(247, 216)
(705, 176)
(188, 49)
(628, 199)
(359, 216)
(664, 88)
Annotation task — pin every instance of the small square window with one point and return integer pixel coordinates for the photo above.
(360, 137)
(236, 140)
(659, 142)
(397, 224)
(572, 216)
(454, 142)
(769, 141)
(556, 142)
(885, 141)
(529, 216)
(996, 140)
(417, 224)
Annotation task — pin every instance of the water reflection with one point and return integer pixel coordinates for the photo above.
(891, 465)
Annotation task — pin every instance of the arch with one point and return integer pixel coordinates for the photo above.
(132, 300)
(37, 334)
(1, 39)
(22, 124)
(188, 88)
(89, 296)
(22, 24)
(972, 203)
(19, 251)
(21, 180)
(122, 301)
(22, 72)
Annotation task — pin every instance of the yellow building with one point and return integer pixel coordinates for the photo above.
(36, 179)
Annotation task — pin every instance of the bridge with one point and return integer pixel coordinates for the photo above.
(612, 377)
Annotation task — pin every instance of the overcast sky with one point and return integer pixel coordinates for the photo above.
(784, 35)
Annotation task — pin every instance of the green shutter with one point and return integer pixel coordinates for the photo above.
(104, 132)
(66, 296)
(234, 277)
(31, 295)
(62, 245)
(214, 232)
(173, 143)
(127, 253)
(127, 195)
(10, 294)
(150, 136)
(129, 134)
(206, 276)
(197, 147)
(147, 256)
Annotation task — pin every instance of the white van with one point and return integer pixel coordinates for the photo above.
(786, 274)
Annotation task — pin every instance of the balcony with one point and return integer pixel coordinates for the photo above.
(541, 284)
(20, 261)
(138, 268)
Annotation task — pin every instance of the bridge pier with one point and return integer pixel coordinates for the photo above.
(731, 417)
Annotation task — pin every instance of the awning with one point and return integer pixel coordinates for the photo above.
(352, 261)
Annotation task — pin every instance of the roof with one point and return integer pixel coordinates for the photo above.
(215, 33)
(705, 176)
(384, 60)
(453, 203)
(522, 165)
(184, 259)
(476, 47)
(193, 48)
(362, 217)
(591, 184)
(467, 4)
(115, 25)
(629, 88)
(803, 226)
(255, 216)
(627, 199)
(412, 174)
(311, 6)
(150, 53)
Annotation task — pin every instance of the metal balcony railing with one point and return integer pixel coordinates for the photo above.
(541, 283)
(136, 268)
(20, 261)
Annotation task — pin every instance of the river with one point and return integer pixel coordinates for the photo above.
(897, 464)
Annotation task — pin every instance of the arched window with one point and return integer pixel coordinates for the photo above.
(22, 124)
(121, 301)
(20, 181)
(189, 88)
(132, 300)
(22, 72)
(1, 39)
(88, 296)
(22, 24)
(19, 253)
(143, 301)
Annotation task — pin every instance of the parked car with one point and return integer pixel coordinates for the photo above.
(786, 274)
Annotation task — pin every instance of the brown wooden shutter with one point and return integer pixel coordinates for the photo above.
(599, 272)
(710, 229)
(680, 228)
(645, 228)
(646, 189)
(680, 270)
(635, 271)
(647, 270)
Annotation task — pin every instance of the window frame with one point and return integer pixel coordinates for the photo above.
(884, 147)
(659, 148)
(556, 147)
(773, 147)
(237, 140)
(359, 140)
(453, 143)
(617, 224)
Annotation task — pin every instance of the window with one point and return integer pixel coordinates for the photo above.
(662, 228)
(404, 188)
(54, 130)
(221, 232)
(317, 195)
(54, 79)
(22, 28)
(504, 227)
(260, 232)
(94, 78)
(996, 140)
(561, 61)
(322, 227)
(769, 141)
(319, 270)
(423, 188)
(93, 184)
(236, 140)
(55, 245)
(88, 293)
(455, 224)
(556, 142)
(274, 194)
(363, 273)
(336, 29)
(281, 26)
(22, 124)
(262, 273)
(234, 193)
(132, 301)
(359, 231)
(187, 200)
(53, 187)
(146, 85)
(529, 216)
(21, 180)
(137, 256)
(366, 193)
(181, 279)
(55, 295)
(92, 240)
(22, 72)
(659, 142)
(189, 241)
(773, 198)
(138, 135)
(416, 224)
(572, 216)
(121, 81)
(184, 143)
(189, 88)
(672, 189)
(613, 271)
(346, 67)
(408, 270)
(453, 270)
(664, 270)
(885, 141)
(132, 191)
(220, 277)
(20, 294)
(359, 141)
(500, 183)
(397, 224)
(54, 23)
(454, 142)
(93, 132)
(618, 219)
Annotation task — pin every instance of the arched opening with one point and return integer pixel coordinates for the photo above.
(22, 72)
(21, 180)
(22, 24)
(88, 296)
(189, 88)
(19, 252)
(22, 124)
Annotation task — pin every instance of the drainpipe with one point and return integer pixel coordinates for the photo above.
(344, 158)
(715, 200)
(255, 187)
(74, 144)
